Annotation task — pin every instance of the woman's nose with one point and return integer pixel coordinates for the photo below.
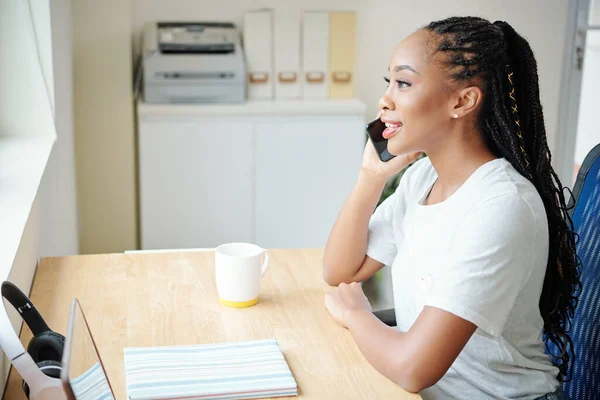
(386, 103)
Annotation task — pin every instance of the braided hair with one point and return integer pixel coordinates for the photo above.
(501, 62)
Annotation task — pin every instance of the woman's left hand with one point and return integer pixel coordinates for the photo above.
(344, 299)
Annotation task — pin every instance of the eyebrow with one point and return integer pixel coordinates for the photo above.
(399, 68)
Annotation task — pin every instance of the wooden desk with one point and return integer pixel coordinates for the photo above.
(170, 299)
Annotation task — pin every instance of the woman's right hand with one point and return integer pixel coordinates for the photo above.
(372, 164)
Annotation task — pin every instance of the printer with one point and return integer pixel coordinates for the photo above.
(193, 62)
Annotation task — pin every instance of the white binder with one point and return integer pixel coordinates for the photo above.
(315, 54)
(258, 47)
(287, 54)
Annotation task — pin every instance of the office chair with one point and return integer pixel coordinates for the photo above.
(585, 325)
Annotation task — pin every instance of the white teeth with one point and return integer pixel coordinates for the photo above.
(388, 125)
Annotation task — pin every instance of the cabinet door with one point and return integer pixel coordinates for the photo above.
(195, 183)
(305, 169)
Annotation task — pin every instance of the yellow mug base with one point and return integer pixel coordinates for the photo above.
(238, 304)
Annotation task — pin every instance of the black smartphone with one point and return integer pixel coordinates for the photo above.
(375, 130)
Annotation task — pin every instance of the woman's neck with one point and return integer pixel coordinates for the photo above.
(455, 161)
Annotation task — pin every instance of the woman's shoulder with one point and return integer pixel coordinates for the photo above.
(500, 182)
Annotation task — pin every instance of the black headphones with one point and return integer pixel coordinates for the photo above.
(46, 346)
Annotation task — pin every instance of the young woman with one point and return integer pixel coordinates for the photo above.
(477, 234)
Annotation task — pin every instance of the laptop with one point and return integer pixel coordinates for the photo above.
(83, 375)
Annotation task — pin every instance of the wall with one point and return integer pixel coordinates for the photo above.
(594, 12)
(58, 200)
(104, 139)
(588, 134)
(104, 129)
(588, 131)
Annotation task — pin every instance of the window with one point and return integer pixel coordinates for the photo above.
(27, 131)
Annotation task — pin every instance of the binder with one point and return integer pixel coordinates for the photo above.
(287, 53)
(315, 55)
(258, 47)
(342, 43)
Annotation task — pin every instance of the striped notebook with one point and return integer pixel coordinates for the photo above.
(237, 370)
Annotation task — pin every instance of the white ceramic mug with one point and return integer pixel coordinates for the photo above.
(238, 270)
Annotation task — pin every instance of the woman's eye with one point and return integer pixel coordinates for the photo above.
(401, 84)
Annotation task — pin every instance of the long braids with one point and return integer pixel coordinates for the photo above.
(512, 123)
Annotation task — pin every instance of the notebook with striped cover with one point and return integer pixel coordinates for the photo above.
(236, 370)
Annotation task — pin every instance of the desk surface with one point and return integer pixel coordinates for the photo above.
(170, 299)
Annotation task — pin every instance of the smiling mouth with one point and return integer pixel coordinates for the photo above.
(391, 130)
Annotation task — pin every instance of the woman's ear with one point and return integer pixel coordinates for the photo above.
(467, 101)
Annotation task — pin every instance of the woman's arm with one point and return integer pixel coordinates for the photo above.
(345, 258)
(418, 358)
(415, 359)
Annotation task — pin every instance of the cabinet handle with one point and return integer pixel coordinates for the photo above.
(342, 76)
(259, 77)
(315, 77)
(287, 77)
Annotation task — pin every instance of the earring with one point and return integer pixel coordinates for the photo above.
(454, 115)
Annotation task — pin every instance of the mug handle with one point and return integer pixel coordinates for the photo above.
(266, 263)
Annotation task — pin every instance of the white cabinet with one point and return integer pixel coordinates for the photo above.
(275, 173)
(195, 183)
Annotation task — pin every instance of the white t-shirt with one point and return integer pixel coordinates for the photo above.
(481, 255)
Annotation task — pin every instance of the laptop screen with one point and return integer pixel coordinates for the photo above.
(83, 374)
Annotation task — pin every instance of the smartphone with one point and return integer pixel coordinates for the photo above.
(375, 130)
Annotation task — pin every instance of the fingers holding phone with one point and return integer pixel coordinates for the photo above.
(376, 157)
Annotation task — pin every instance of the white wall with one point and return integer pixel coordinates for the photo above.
(588, 126)
(383, 23)
(595, 12)
(58, 225)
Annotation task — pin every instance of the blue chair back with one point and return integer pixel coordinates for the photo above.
(585, 329)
